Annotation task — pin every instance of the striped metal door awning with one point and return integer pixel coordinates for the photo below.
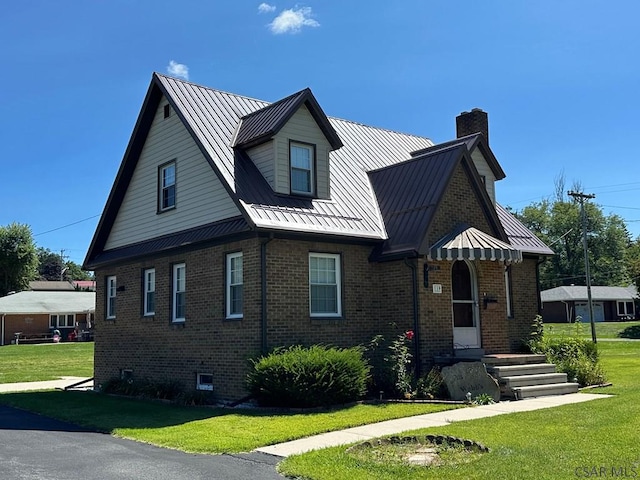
(469, 243)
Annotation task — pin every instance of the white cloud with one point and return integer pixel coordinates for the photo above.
(292, 21)
(178, 70)
(266, 8)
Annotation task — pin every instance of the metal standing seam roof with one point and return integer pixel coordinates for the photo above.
(213, 118)
(261, 125)
(30, 302)
(519, 235)
(469, 243)
(408, 194)
(572, 293)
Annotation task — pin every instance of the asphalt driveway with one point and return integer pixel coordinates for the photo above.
(36, 447)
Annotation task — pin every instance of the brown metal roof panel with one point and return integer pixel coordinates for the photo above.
(209, 232)
(408, 194)
(519, 235)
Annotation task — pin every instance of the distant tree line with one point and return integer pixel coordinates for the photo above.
(21, 261)
(614, 257)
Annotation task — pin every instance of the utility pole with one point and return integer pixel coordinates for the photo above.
(62, 267)
(581, 197)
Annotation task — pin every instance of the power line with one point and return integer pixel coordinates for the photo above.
(68, 225)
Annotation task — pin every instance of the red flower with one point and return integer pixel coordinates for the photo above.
(409, 334)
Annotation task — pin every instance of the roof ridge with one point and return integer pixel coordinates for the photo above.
(268, 103)
(273, 104)
(214, 89)
(379, 128)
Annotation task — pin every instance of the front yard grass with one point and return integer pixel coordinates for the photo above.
(202, 430)
(34, 363)
(604, 330)
(571, 441)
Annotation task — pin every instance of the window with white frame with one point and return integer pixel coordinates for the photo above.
(302, 160)
(325, 285)
(149, 292)
(625, 309)
(167, 187)
(507, 284)
(179, 292)
(204, 381)
(234, 283)
(111, 297)
(62, 320)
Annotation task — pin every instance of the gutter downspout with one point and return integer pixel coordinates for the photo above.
(263, 294)
(416, 323)
(2, 337)
(538, 297)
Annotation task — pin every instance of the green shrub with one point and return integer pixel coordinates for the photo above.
(171, 390)
(577, 357)
(431, 385)
(309, 377)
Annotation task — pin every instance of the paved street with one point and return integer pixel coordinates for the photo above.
(36, 447)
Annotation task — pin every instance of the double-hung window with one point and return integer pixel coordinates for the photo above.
(302, 161)
(149, 307)
(111, 297)
(167, 187)
(234, 285)
(179, 292)
(325, 285)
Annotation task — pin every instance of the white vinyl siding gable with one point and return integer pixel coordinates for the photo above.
(200, 196)
(484, 170)
(301, 127)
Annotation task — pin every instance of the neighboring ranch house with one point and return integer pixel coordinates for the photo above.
(235, 226)
(564, 304)
(36, 314)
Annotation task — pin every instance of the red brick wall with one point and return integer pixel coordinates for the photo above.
(27, 324)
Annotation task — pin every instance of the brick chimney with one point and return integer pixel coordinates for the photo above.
(468, 123)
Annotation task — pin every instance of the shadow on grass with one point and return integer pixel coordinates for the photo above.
(107, 413)
(632, 331)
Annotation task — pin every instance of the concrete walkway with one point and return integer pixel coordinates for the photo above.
(439, 419)
(48, 385)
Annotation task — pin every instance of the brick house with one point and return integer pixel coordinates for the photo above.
(235, 226)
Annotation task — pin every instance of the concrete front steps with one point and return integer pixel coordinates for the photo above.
(527, 376)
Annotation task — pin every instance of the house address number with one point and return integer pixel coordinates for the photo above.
(437, 288)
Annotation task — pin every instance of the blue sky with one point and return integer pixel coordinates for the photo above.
(559, 81)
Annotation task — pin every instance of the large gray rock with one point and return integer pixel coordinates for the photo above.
(470, 377)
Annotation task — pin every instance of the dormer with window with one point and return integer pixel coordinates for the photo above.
(289, 141)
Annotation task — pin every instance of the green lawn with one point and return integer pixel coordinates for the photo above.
(50, 361)
(563, 442)
(205, 430)
(603, 329)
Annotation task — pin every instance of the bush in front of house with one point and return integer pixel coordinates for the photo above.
(575, 356)
(309, 376)
(170, 390)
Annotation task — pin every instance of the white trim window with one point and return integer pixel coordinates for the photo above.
(149, 292)
(204, 381)
(234, 285)
(62, 320)
(301, 157)
(179, 293)
(167, 187)
(111, 297)
(626, 308)
(325, 285)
